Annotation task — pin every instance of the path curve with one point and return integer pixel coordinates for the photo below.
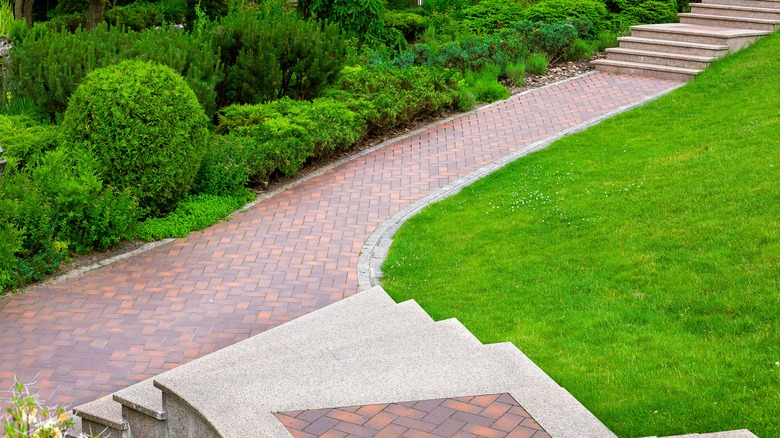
(290, 254)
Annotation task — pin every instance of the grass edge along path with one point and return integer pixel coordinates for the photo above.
(638, 262)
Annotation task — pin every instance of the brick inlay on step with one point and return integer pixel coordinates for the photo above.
(495, 415)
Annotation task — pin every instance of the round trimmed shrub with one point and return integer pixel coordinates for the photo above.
(146, 128)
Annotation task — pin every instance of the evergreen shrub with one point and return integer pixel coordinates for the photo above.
(145, 126)
(270, 55)
(47, 65)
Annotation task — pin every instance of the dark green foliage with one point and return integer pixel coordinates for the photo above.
(142, 15)
(362, 19)
(475, 53)
(224, 170)
(145, 126)
(268, 56)
(553, 39)
(214, 9)
(400, 5)
(632, 12)
(488, 16)
(555, 11)
(387, 97)
(47, 66)
(446, 7)
(67, 22)
(409, 24)
(25, 141)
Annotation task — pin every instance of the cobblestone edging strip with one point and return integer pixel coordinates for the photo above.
(375, 250)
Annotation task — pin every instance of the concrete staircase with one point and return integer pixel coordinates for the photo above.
(360, 351)
(679, 51)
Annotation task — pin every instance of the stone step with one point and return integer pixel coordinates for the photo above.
(653, 70)
(735, 11)
(142, 405)
(382, 331)
(206, 405)
(658, 58)
(102, 416)
(734, 39)
(768, 4)
(729, 22)
(681, 48)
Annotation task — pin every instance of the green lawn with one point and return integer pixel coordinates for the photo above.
(638, 262)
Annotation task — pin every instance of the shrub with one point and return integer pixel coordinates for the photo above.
(224, 170)
(386, 97)
(332, 126)
(515, 73)
(632, 12)
(268, 56)
(485, 86)
(47, 65)
(85, 213)
(146, 127)
(553, 39)
(580, 49)
(475, 53)
(142, 15)
(410, 25)
(362, 19)
(193, 213)
(537, 64)
(488, 16)
(25, 141)
(554, 11)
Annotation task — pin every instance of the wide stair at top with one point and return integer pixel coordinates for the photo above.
(680, 51)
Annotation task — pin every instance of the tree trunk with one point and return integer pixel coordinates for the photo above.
(28, 12)
(96, 13)
(19, 9)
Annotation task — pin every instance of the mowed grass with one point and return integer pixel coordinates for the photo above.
(637, 263)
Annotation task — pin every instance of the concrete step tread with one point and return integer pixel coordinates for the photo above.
(698, 30)
(660, 54)
(329, 383)
(450, 334)
(103, 411)
(142, 397)
(727, 18)
(674, 43)
(736, 7)
(654, 67)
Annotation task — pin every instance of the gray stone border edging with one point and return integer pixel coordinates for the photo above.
(375, 250)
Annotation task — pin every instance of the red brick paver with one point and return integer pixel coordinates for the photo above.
(496, 415)
(287, 256)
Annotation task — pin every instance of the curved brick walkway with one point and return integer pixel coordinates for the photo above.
(290, 254)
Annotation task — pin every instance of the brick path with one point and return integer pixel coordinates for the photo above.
(287, 256)
(493, 416)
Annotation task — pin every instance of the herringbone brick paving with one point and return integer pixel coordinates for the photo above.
(287, 256)
(490, 416)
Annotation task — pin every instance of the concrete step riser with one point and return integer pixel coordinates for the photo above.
(720, 12)
(732, 24)
(677, 50)
(746, 3)
(657, 60)
(644, 72)
(142, 425)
